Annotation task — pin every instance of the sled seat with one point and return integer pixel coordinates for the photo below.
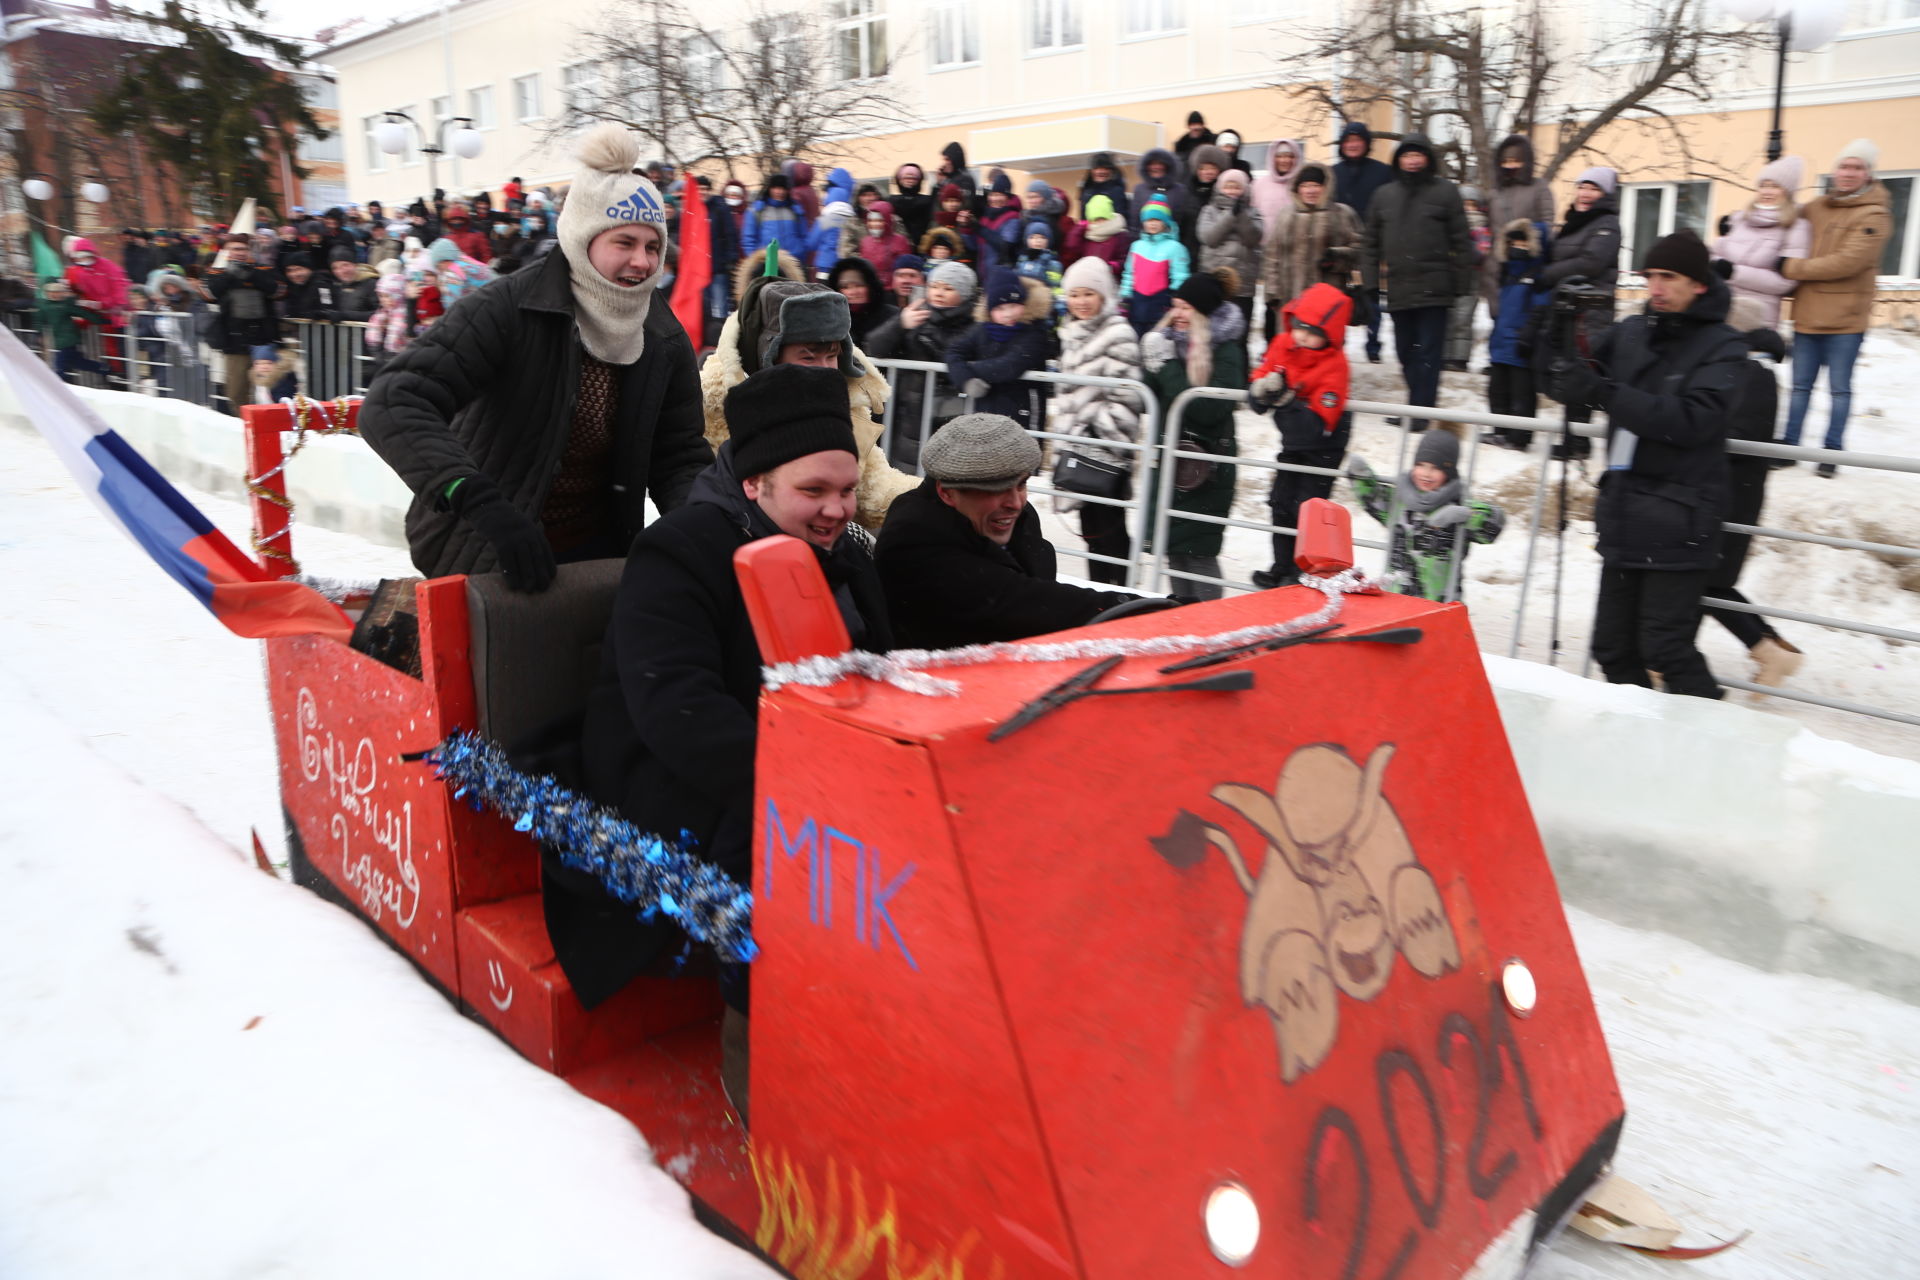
(534, 660)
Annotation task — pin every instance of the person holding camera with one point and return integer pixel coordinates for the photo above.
(1668, 380)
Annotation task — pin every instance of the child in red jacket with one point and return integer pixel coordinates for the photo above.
(1303, 384)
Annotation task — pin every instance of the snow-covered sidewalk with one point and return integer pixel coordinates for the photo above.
(204, 1071)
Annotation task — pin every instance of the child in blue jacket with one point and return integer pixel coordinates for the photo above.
(1011, 338)
(1520, 253)
(1037, 261)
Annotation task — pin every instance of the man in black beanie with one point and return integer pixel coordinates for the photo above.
(671, 724)
(1666, 379)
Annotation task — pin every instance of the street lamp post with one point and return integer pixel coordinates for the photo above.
(391, 135)
(1800, 26)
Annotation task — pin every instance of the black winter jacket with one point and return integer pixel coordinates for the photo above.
(490, 388)
(244, 294)
(948, 585)
(978, 354)
(1417, 227)
(1671, 381)
(1587, 244)
(1356, 182)
(893, 340)
(670, 727)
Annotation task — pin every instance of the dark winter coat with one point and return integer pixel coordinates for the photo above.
(670, 727)
(912, 205)
(998, 355)
(948, 585)
(1184, 145)
(489, 389)
(1517, 266)
(893, 340)
(1510, 199)
(1587, 244)
(1358, 181)
(1206, 426)
(1114, 189)
(1671, 381)
(1172, 188)
(347, 302)
(1756, 414)
(1417, 229)
(140, 261)
(244, 294)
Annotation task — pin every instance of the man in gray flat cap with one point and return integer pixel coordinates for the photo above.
(961, 558)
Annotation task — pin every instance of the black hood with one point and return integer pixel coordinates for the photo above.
(1352, 129)
(865, 270)
(1414, 142)
(1524, 145)
(957, 155)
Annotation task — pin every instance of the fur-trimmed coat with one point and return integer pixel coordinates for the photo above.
(880, 484)
(1103, 347)
(1001, 362)
(1304, 237)
(1229, 233)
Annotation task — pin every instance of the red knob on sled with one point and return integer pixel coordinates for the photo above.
(1325, 542)
(788, 601)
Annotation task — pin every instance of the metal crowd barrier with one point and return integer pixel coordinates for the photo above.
(1146, 450)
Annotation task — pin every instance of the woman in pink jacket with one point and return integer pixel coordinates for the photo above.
(1754, 238)
(1273, 190)
(100, 286)
(883, 242)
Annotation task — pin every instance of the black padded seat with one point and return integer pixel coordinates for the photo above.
(535, 655)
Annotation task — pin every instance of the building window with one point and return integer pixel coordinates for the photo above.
(327, 148)
(526, 97)
(954, 34)
(579, 86)
(1256, 10)
(480, 106)
(1655, 209)
(1152, 17)
(321, 95)
(1902, 256)
(376, 158)
(1055, 26)
(859, 38)
(706, 64)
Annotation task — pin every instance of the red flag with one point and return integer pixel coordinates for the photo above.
(696, 263)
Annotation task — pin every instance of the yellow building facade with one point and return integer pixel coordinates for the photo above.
(1035, 86)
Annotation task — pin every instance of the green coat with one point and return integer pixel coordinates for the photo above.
(62, 321)
(1210, 422)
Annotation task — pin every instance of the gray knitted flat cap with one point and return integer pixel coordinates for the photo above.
(981, 451)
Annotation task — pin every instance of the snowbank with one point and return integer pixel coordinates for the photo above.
(1731, 827)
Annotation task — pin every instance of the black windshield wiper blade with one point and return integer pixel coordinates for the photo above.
(1317, 635)
(1080, 685)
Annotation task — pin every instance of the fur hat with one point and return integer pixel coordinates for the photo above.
(1090, 273)
(1860, 149)
(792, 313)
(980, 451)
(956, 275)
(607, 194)
(787, 412)
(1207, 153)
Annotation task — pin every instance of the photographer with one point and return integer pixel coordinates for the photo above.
(1668, 380)
(1587, 246)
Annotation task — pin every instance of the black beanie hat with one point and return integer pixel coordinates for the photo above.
(1194, 117)
(788, 412)
(1682, 253)
(340, 253)
(1202, 292)
(296, 260)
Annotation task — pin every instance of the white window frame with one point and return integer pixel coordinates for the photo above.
(705, 60)
(439, 114)
(1151, 19)
(539, 111)
(488, 118)
(1244, 11)
(331, 148)
(1867, 18)
(869, 19)
(1669, 192)
(375, 157)
(577, 78)
(1908, 267)
(1059, 16)
(956, 21)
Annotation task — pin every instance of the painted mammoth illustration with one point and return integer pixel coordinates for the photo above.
(1339, 894)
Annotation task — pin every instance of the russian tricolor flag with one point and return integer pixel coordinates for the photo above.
(151, 511)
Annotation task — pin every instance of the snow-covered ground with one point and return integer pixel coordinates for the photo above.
(1872, 506)
(205, 1071)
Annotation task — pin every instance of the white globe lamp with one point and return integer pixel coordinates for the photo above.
(467, 143)
(95, 193)
(37, 189)
(1815, 23)
(1748, 10)
(391, 136)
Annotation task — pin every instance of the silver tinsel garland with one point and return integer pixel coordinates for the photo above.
(906, 668)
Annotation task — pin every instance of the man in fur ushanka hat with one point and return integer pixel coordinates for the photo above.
(536, 417)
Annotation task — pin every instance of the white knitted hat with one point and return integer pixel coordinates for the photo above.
(1860, 149)
(1090, 273)
(606, 194)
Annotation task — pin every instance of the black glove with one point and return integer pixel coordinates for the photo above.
(1726, 223)
(1722, 268)
(1780, 266)
(1577, 384)
(1768, 343)
(525, 555)
(1517, 235)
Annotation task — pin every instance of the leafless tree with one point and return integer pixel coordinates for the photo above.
(1468, 76)
(751, 95)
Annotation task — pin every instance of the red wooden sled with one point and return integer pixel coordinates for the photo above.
(1161, 985)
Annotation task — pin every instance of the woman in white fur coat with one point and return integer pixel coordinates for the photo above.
(880, 484)
(1096, 341)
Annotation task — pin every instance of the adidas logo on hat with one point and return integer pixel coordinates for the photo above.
(641, 206)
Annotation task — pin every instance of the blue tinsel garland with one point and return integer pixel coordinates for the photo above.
(658, 877)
